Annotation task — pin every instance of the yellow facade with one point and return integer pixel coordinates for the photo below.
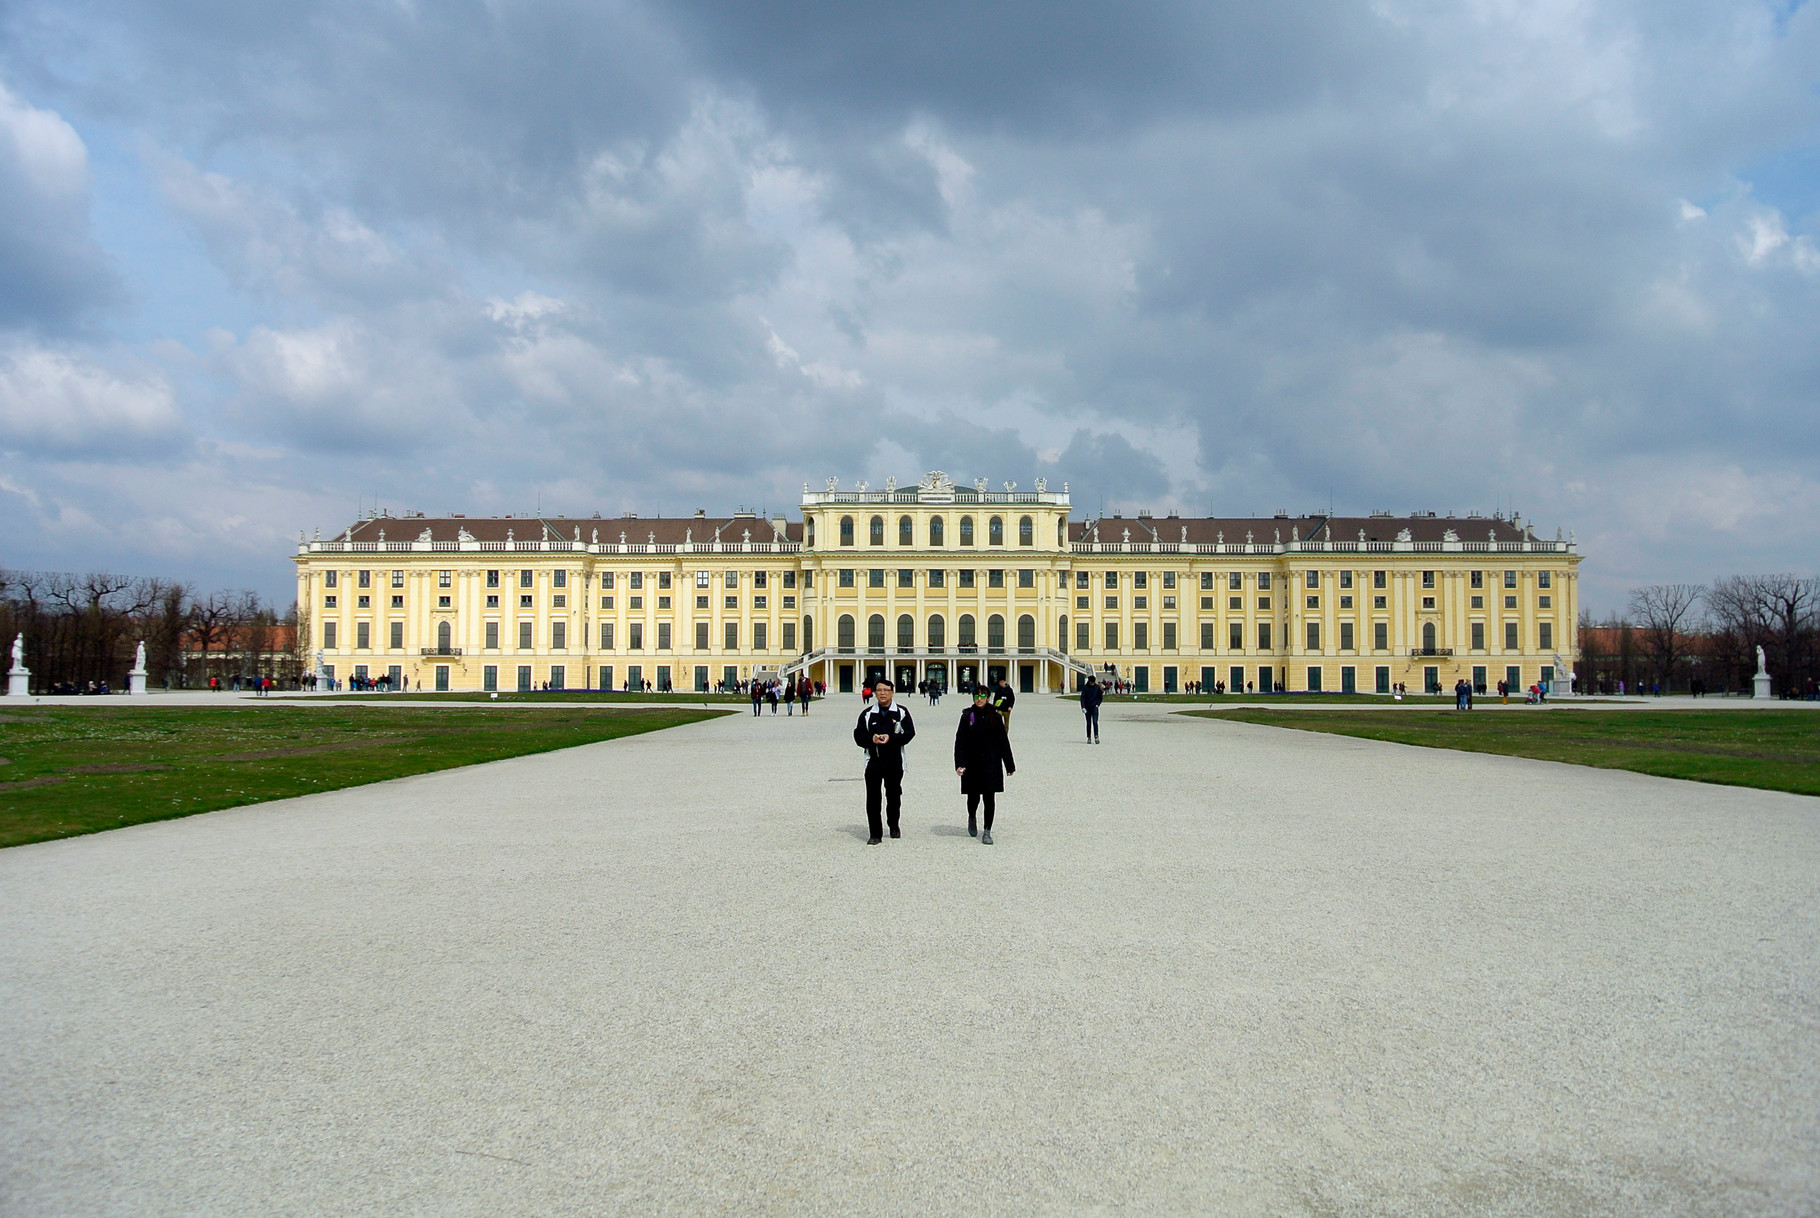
(939, 582)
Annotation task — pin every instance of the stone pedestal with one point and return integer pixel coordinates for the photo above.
(135, 681)
(1760, 686)
(18, 683)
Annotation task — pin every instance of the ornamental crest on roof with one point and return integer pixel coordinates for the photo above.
(935, 480)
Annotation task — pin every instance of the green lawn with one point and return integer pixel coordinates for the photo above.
(74, 770)
(1778, 750)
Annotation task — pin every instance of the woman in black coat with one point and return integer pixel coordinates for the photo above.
(982, 757)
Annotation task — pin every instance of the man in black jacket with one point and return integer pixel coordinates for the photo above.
(1002, 702)
(883, 731)
(1091, 697)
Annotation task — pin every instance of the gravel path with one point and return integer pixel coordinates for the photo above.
(1207, 967)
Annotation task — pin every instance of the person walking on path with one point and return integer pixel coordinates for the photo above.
(789, 697)
(982, 758)
(1091, 697)
(883, 731)
(771, 696)
(804, 690)
(1002, 702)
(758, 697)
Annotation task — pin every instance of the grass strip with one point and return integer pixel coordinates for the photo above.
(66, 771)
(1774, 750)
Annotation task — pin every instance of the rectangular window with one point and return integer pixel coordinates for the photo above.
(760, 579)
(758, 602)
(491, 636)
(875, 578)
(1510, 636)
(1428, 579)
(1140, 636)
(1235, 636)
(995, 578)
(363, 635)
(365, 579)
(1263, 602)
(489, 678)
(398, 579)
(1314, 679)
(524, 636)
(1168, 636)
(524, 678)
(328, 579)
(606, 579)
(1140, 579)
(606, 636)
(1510, 579)
(559, 676)
(1380, 579)
(1263, 636)
(1234, 603)
(1382, 679)
(1168, 579)
(938, 578)
(732, 602)
(1545, 636)
(731, 579)
(906, 578)
(701, 602)
(635, 676)
(605, 677)
(702, 579)
(1314, 636)
(1380, 636)
(1235, 580)
(1478, 636)
(789, 636)
(525, 577)
(1207, 581)
(445, 579)
(967, 578)
(1380, 602)
(1313, 579)
(732, 631)
(846, 577)
(1263, 581)
(1083, 636)
(1314, 602)
(398, 602)
(1112, 636)
(789, 579)
(559, 579)
(1026, 579)
(1112, 579)
(524, 602)
(663, 636)
(1346, 579)
(397, 634)
(1345, 636)
(1206, 636)
(635, 636)
(759, 633)
(701, 636)
(328, 635)
(1477, 579)
(1545, 579)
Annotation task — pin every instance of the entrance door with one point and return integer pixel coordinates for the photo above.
(442, 678)
(1266, 678)
(635, 677)
(905, 680)
(874, 673)
(701, 678)
(1431, 679)
(1026, 678)
(846, 678)
(1169, 678)
(994, 674)
(938, 675)
(1210, 677)
(1349, 680)
(524, 678)
(965, 676)
(1235, 680)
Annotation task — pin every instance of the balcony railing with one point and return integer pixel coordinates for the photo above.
(1420, 652)
(439, 651)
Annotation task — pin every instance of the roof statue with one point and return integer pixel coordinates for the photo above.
(1403, 535)
(462, 534)
(509, 535)
(578, 534)
(651, 538)
(1127, 535)
(1184, 534)
(622, 538)
(1361, 534)
(936, 480)
(1247, 536)
(1279, 535)
(1009, 487)
(1064, 488)
(424, 536)
(1450, 535)
(1491, 534)
(805, 488)
(745, 536)
(1295, 533)
(1042, 484)
(861, 485)
(596, 537)
(1220, 537)
(348, 536)
(382, 535)
(891, 484)
(689, 536)
(316, 534)
(979, 484)
(1327, 532)
(833, 483)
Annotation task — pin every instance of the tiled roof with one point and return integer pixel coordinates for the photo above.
(640, 531)
(1266, 530)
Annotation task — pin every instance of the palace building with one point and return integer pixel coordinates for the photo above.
(945, 583)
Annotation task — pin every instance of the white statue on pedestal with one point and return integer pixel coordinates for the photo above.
(135, 680)
(19, 652)
(1760, 682)
(19, 677)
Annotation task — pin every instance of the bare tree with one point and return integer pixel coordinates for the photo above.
(1665, 615)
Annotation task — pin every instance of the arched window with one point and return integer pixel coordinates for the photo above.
(1026, 632)
(843, 632)
(1061, 636)
(1428, 636)
(808, 634)
(809, 531)
(442, 637)
(995, 531)
(1061, 532)
(966, 530)
(995, 632)
(906, 531)
(938, 632)
(906, 631)
(967, 640)
(846, 530)
(935, 531)
(1026, 532)
(878, 530)
(875, 632)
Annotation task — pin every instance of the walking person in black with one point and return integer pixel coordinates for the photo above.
(1091, 697)
(982, 758)
(883, 731)
(1002, 702)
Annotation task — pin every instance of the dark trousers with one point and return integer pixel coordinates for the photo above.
(1093, 722)
(973, 802)
(884, 785)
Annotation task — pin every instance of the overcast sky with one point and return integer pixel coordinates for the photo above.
(261, 263)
